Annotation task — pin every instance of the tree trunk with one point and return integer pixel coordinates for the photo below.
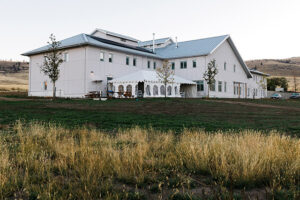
(54, 90)
(208, 86)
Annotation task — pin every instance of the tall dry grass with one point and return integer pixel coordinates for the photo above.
(50, 162)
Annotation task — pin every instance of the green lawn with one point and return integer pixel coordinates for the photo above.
(173, 114)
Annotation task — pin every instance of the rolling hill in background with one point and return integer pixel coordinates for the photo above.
(13, 76)
(287, 68)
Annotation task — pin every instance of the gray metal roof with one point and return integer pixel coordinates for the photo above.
(254, 71)
(84, 39)
(114, 34)
(150, 42)
(190, 48)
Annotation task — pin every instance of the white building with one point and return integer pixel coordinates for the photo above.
(92, 61)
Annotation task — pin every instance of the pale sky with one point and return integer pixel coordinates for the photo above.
(259, 28)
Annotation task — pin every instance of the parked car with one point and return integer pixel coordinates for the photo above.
(276, 96)
(295, 96)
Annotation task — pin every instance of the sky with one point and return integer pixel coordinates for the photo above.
(259, 28)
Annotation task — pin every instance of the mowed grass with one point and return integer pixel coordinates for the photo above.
(46, 161)
(160, 114)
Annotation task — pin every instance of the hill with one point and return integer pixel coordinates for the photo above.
(13, 76)
(287, 68)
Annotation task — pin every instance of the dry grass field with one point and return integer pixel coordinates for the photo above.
(13, 76)
(45, 161)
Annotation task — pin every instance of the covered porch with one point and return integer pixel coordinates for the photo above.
(147, 84)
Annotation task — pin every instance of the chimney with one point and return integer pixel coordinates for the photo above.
(153, 44)
(176, 42)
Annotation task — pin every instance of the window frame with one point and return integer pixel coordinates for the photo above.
(183, 64)
(66, 57)
(110, 57)
(220, 86)
(173, 65)
(154, 64)
(149, 64)
(134, 62)
(194, 63)
(127, 61)
(200, 85)
(102, 53)
(225, 66)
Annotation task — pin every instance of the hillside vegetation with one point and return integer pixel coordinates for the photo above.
(287, 68)
(13, 76)
(45, 161)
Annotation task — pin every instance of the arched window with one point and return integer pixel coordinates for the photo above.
(148, 90)
(128, 88)
(176, 91)
(155, 90)
(136, 89)
(162, 90)
(114, 88)
(169, 90)
(121, 88)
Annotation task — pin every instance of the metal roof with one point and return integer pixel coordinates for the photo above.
(254, 71)
(157, 41)
(190, 48)
(84, 39)
(114, 34)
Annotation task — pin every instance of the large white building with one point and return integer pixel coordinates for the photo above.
(105, 61)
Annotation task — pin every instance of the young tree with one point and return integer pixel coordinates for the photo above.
(52, 62)
(165, 74)
(210, 73)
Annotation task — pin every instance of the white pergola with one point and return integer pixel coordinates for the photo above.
(153, 86)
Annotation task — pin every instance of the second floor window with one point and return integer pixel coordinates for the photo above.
(110, 58)
(154, 65)
(173, 66)
(183, 65)
(148, 64)
(225, 66)
(194, 63)
(101, 56)
(134, 62)
(127, 60)
(234, 68)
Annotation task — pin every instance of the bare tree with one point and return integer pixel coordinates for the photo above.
(295, 82)
(210, 73)
(52, 62)
(165, 74)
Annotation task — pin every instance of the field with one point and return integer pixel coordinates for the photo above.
(44, 161)
(149, 148)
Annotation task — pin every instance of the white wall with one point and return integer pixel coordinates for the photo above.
(70, 82)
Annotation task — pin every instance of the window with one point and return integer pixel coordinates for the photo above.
(200, 86)
(225, 86)
(213, 86)
(101, 56)
(110, 57)
(66, 57)
(155, 90)
(248, 92)
(154, 65)
(148, 90)
(121, 88)
(134, 61)
(162, 90)
(183, 65)
(169, 90)
(220, 86)
(234, 68)
(194, 63)
(225, 66)
(176, 91)
(45, 85)
(149, 63)
(173, 66)
(127, 60)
